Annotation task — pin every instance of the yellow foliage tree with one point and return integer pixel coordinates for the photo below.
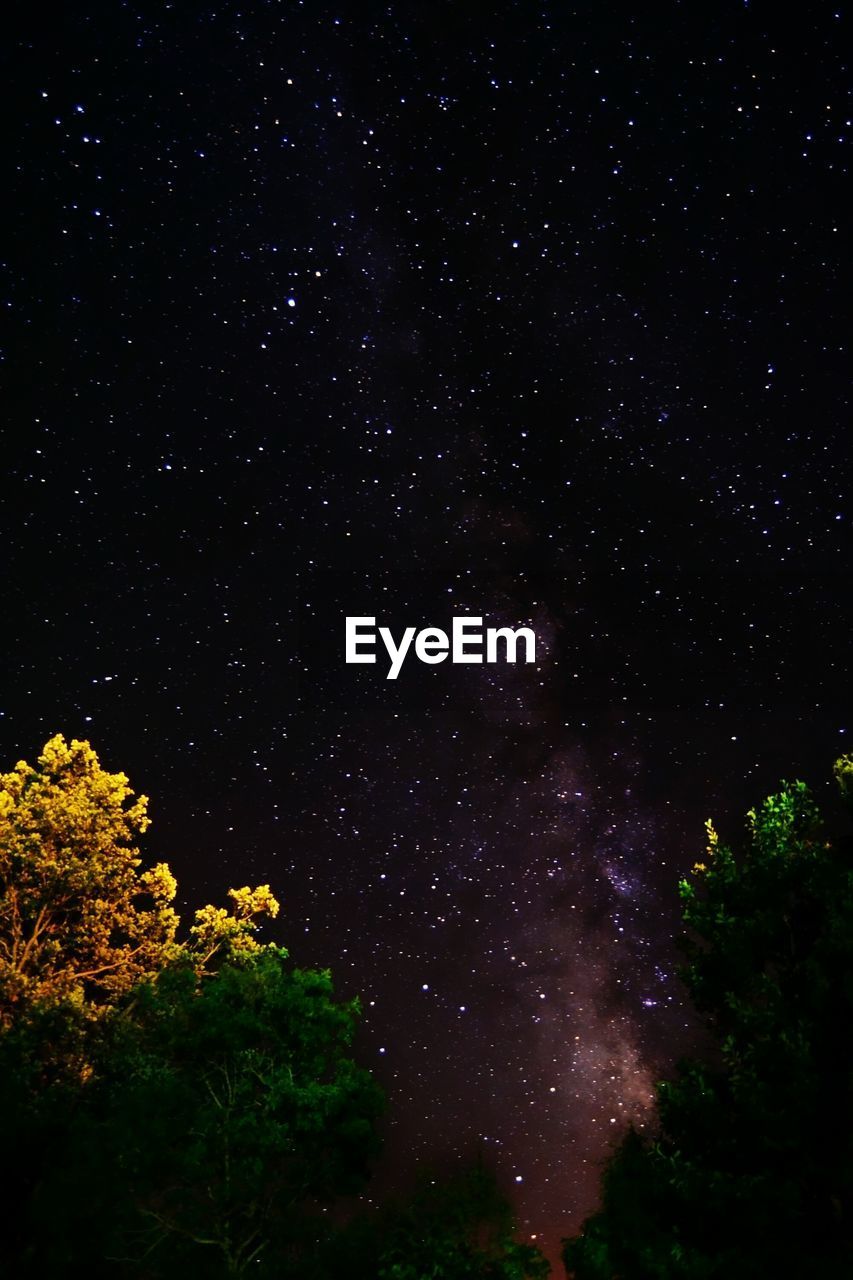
(80, 923)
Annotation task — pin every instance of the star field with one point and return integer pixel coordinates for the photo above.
(534, 314)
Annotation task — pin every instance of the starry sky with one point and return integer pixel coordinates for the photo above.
(529, 312)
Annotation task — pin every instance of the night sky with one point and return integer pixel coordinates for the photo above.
(528, 312)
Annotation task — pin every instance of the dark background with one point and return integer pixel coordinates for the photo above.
(566, 349)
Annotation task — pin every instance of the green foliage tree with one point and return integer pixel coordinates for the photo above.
(185, 1107)
(224, 1114)
(843, 770)
(167, 1106)
(455, 1228)
(751, 1171)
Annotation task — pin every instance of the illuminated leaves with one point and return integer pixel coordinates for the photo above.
(78, 921)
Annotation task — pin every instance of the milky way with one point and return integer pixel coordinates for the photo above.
(417, 313)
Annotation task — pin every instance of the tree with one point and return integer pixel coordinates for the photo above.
(455, 1228)
(167, 1106)
(174, 1107)
(81, 925)
(751, 1171)
(224, 1113)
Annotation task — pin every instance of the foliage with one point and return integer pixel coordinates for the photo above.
(186, 1106)
(843, 770)
(81, 925)
(221, 1112)
(751, 1173)
(166, 1105)
(459, 1228)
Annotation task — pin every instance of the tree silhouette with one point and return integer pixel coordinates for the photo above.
(751, 1172)
(451, 1228)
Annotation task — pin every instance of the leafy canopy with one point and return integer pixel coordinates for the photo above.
(81, 924)
(751, 1171)
(222, 1112)
(167, 1105)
